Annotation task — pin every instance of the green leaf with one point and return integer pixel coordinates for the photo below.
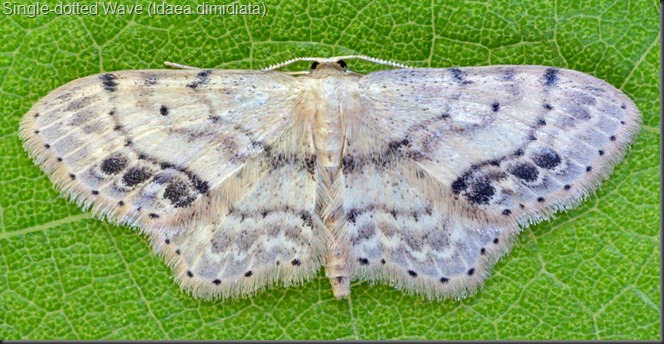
(591, 273)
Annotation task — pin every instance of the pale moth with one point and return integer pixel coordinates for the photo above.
(420, 178)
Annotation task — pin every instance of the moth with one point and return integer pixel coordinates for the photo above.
(420, 178)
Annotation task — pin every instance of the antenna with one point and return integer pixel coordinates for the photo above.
(334, 59)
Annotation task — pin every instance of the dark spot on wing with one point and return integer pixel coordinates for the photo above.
(460, 184)
(471, 271)
(296, 262)
(178, 193)
(459, 76)
(546, 158)
(478, 189)
(216, 282)
(135, 175)
(351, 214)
(113, 165)
(363, 261)
(507, 212)
(201, 78)
(248, 273)
(200, 185)
(163, 110)
(481, 191)
(107, 81)
(495, 106)
(394, 145)
(153, 216)
(412, 273)
(166, 165)
(189, 273)
(589, 168)
(310, 164)
(348, 163)
(307, 219)
(540, 199)
(444, 280)
(525, 171)
(550, 76)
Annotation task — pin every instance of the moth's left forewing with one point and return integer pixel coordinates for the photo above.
(514, 142)
(152, 148)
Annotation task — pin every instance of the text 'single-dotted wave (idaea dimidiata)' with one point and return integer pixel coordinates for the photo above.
(418, 178)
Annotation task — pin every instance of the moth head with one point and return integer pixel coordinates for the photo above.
(338, 64)
(323, 68)
(332, 65)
